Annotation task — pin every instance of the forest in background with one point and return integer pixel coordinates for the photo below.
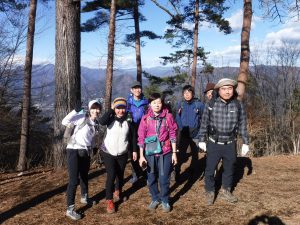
(30, 137)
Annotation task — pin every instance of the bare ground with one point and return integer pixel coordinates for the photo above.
(267, 188)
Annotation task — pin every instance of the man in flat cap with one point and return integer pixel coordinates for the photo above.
(223, 118)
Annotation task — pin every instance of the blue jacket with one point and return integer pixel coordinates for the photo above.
(137, 108)
(188, 117)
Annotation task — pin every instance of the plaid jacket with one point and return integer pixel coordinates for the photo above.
(225, 117)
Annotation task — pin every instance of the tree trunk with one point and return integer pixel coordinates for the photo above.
(137, 42)
(67, 69)
(110, 56)
(196, 30)
(27, 87)
(245, 48)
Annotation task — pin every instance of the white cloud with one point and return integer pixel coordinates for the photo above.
(230, 56)
(236, 21)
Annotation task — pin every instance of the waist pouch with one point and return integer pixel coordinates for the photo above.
(152, 145)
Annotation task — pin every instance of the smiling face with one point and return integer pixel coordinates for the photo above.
(95, 111)
(136, 91)
(188, 95)
(120, 111)
(226, 92)
(156, 105)
(209, 94)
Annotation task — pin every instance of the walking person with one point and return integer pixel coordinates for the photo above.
(157, 142)
(137, 105)
(188, 118)
(79, 150)
(223, 118)
(120, 137)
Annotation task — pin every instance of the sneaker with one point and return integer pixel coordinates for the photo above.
(133, 179)
(166, 207)
(116, 195)
(225, 194)
(72, 214)
(153, 205)
(210, 197)
(85, 200)
(110, 206)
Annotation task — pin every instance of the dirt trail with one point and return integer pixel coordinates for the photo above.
(268, 189)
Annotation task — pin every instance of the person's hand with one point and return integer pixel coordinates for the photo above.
(202, 145)
(78, 106)
(174, 159)
(142, 160)
(134, 156)
(245, 150)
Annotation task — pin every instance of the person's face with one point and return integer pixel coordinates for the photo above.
(136, 91)
(156, 105)
(209, 94)
(187, 95)
(120, 111)
(94, 113)
(226, 92)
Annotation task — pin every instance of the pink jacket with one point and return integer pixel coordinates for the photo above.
(167, 131)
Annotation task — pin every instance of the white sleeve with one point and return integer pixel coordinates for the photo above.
(72, 118)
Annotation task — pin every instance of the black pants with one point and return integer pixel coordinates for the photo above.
(184, 143)
(115, 167)
(78, 168)
(216, 152)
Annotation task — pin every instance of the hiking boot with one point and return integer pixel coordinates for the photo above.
(110, 206)
(85, 200)
(166, 207)
(210, 197)
(225, 194)
(72, 214)
(153, 205)
(116, 195)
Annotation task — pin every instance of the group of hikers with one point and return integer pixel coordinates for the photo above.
(145, 131)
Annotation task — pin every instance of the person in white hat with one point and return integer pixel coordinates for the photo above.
(222, 120)
(79, 149)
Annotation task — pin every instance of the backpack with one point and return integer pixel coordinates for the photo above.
(198, 104)
(69, 131)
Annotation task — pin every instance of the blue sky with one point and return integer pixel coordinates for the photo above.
(224, 49)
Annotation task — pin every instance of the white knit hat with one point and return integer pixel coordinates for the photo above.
(93, 102)
(225, 82)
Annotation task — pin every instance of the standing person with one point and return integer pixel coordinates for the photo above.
(120, 137)
(137, 105)
(79, 149)
(188, 118)
(209, 91)
(157, 142)
(223, 118)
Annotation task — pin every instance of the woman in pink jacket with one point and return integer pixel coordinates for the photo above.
(157, 142)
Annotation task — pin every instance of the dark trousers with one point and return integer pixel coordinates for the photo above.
(216, 152)
(159, 171)
(184, 143)
(115, 167)
(78, 167)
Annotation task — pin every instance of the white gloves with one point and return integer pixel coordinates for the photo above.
(202, 145)
(245, 150)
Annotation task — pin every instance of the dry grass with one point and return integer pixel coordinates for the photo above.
(269, 194)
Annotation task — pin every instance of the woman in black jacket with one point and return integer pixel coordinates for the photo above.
(119, 138)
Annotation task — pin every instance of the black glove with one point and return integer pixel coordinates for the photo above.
(78, 107)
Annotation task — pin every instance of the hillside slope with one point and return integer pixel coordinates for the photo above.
(268, 189)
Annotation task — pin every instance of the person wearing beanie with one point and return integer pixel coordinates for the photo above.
(79, 148)
(223, 118)
(209, 91)
(137, 106)
(120, 137)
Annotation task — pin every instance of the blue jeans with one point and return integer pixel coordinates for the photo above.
(159, 169)
(215, 153)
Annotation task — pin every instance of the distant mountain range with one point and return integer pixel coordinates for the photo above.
(93, 82)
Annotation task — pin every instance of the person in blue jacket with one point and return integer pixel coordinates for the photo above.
(188, 118)
(137, 106)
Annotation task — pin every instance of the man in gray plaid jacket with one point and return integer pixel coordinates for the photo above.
(223, 118)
